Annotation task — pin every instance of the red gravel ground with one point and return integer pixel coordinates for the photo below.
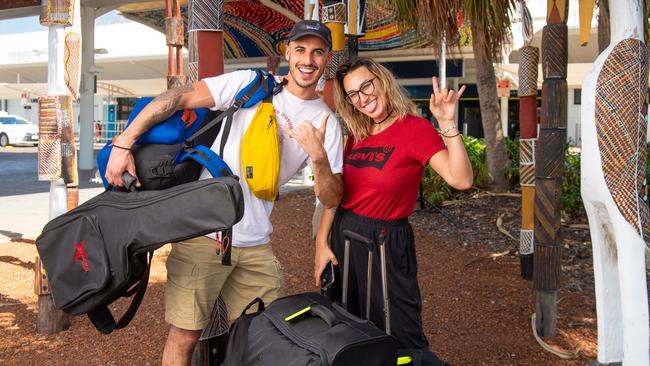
(475, 313)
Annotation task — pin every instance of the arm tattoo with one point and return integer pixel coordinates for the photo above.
(164, 105)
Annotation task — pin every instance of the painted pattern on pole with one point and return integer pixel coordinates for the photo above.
(205, 39)
(527, 92)
(175, 39)
(549, 158)
(57, 12)
(72, 60)
(621, 120)
(334, 16)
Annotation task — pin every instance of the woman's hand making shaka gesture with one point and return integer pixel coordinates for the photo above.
(443, 103)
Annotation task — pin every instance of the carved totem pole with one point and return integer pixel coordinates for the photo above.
(613, 185)
(205, 39)
(175, 34)
(355, 26)
(549, 161)
(57, 154)
(334, 17)
(205, 48)
(528, 60)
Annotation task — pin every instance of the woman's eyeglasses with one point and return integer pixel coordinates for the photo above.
(367, 88)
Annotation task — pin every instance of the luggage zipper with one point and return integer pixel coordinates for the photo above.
(126, 204)
(302, 342)
(151, 247)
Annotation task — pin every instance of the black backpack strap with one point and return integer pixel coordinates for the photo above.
(226, 236)
(226, 133)
(238, 103)
(209, 125)
(103, 319)
(228, 113)
(277, 88)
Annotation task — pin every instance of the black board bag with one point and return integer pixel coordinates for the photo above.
(102, 250)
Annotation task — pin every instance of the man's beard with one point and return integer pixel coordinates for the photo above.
(308, 84)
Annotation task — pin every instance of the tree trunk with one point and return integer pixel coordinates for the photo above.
(495, 149)
(603, 26)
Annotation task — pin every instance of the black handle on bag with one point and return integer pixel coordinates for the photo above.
(129, 181)
(260, 306)
(325, 314)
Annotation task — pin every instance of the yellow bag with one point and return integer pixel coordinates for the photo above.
(260, 153)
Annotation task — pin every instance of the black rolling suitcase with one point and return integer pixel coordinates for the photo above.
(411, 357)
(102, 250)
(308, 329)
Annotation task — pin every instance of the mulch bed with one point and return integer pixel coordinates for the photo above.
(476, 311)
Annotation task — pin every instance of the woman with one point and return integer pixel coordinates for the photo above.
(384, 159)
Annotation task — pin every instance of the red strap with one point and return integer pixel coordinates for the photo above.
(189, 117)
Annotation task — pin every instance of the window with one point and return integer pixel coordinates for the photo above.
(577, 96)
(7, 120)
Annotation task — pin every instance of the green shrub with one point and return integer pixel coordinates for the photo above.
(436, 190)
(571, 199)
(476, 153)
(511, 171)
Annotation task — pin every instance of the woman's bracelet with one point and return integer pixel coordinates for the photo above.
(444, 133)
(121, 147)
(446, 130)
(448, 136)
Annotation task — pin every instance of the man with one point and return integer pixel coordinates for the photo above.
(195, 275)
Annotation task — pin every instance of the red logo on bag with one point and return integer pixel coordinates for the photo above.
(81, 253)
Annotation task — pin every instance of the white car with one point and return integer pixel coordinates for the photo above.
(16, 130)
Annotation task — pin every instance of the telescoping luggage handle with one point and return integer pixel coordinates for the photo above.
(352, 236)
(358, 238)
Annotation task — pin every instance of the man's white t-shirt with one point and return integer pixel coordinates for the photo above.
(290, 111)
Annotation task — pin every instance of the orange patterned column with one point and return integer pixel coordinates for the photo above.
(527, 92)
(175, 34)
(334, 17)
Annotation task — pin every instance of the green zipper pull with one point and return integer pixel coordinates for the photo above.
(404, 360)
(297, 314)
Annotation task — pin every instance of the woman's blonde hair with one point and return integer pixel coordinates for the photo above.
(358, 123)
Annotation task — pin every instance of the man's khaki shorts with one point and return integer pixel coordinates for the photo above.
(195, 276)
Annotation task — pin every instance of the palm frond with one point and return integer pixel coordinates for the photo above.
(492, 18)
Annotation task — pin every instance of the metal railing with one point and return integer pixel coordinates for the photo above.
(105, 131)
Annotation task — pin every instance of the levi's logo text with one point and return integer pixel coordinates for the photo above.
(80, 254)
(370, 157)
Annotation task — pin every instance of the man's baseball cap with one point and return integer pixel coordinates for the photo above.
(311, 28)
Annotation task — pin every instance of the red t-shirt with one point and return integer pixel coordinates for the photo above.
(382, 173)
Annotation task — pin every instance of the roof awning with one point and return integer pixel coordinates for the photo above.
(259, 28)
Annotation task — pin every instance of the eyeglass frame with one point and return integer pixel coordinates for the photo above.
(348, 98)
